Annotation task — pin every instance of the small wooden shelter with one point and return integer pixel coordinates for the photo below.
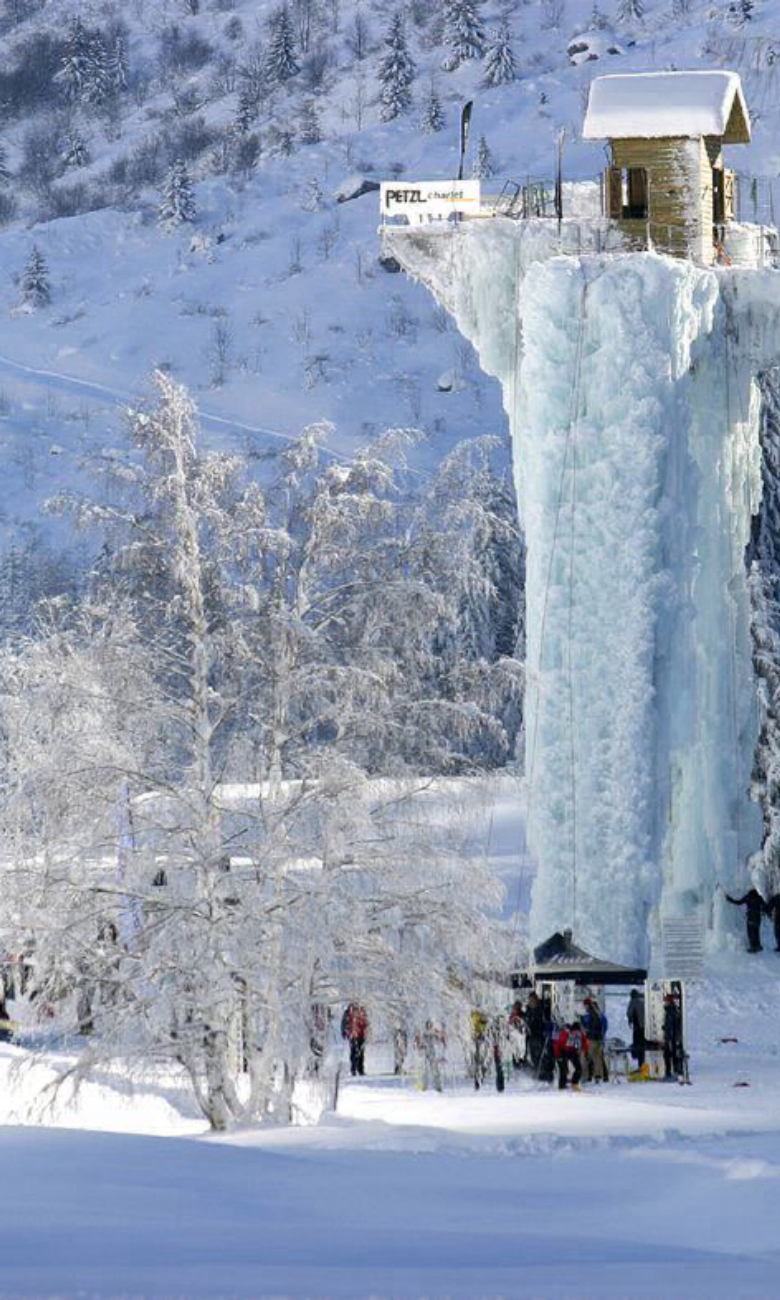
(667, 184)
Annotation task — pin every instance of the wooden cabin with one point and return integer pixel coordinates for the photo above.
(667, 184)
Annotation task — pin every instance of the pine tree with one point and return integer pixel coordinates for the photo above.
(36, 290)
(432, 119)
(484, 166)
(283, 141)
(117, 64)
(177, 205)
(76, 67)
(396, 71)
(630, 11)
(309, 123)
(463, 32)
(246, 110)
(98, 83)
(500, 64)
(281, 63)
(75, 152)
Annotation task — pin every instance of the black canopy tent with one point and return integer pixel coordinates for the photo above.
(559, 958)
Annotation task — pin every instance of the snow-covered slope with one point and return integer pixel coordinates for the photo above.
(272, 306)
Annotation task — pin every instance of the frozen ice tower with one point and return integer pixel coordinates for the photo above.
(629, 380)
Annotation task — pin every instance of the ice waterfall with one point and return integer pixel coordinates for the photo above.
(630, 385)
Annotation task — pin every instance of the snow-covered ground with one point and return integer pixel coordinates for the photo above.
(626, 1190)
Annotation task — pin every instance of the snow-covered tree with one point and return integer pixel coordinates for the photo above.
(35, 286)
(630, 11)
(281, 62)
(598, 19)
(75, 152)
(177, 203)
(396, 71)
(484, 167)
(5, 172)
(247, 109)
(84, 75)
(500, 63)
(76, 68)
(432, 119)
(117, 64)
(464, 34)
(179, 916)
(309, 130)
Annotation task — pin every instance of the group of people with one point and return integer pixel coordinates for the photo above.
(576, 1050)
(672, 1033)
(757, 908)
(530, 1038)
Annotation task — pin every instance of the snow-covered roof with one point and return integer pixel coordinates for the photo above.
(649, 105)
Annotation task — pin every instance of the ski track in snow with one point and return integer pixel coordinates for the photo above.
(72, 385)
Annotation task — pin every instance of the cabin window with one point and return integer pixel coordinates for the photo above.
(634, 193)
(627, 193)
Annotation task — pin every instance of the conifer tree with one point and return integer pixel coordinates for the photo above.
(309, 130)
(177, 205)
(396, 71)
(285, 142)
(484, 166)
(76, 67)
(75, 152)
(500, 63)
(246, 110)
(36, 290)
(98, 83)
(463, 32)
(630, 11)
(117, 64)
(432, 119)
(281, 63)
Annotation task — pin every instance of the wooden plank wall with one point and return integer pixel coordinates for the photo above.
(680, 191)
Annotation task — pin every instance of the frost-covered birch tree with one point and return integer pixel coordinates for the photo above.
(200, 855)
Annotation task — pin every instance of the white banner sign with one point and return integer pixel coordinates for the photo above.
(428, 200)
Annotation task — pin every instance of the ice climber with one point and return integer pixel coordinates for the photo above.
(755, 906)
(772, 910)
(571, 1048)
(354, 1027)
(635, 1015)
(595, 1024)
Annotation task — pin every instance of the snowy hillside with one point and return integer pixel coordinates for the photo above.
(271, 304)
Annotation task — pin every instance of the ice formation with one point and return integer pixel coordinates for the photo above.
(629, 382)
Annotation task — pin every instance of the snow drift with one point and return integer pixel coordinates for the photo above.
(629, 381)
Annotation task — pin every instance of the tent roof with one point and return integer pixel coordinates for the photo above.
(650, 105)
(559, 958)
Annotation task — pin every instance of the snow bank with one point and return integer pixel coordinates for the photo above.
(629, 385)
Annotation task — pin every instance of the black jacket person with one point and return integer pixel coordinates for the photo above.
(772, 909)
(755, 905)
